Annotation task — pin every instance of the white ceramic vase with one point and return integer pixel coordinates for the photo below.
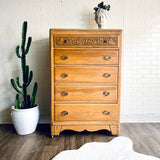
(101, 18)
(25, 120)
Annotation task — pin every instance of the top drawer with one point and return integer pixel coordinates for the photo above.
(86, 41)
(83, 56)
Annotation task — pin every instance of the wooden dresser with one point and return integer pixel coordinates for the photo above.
(85, 80)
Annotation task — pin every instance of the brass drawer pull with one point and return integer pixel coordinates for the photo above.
(64, 75)
(64, 93)
(107, 57)
(64, 113)
(106, 93)
(106, 112)
(64, 57)
(106, 75)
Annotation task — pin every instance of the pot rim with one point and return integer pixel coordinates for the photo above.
(24, 110)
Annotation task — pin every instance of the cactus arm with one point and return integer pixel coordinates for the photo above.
(24, 88)
(34, 94)
(32, 102)
(23, 105)
(17, 52)
(29, 78)
(28, 101)
(17, 101)
(26, 74)
(23, 64)
(22, 50)
(15, 86)
(17, 81)
(24, 31)
(28, 45)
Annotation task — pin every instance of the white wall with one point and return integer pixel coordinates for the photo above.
(140, 21)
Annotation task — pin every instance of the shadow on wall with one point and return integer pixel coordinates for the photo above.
(9, 67)
(88, 19)
(38, 60)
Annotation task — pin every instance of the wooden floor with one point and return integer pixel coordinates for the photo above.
(39, 146)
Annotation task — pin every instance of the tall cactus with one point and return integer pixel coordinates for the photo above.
(21, 89)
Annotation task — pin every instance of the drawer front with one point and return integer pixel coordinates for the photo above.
(86, 112)
(86, 74)
(85, 57)
(86, 41)
(86, 93)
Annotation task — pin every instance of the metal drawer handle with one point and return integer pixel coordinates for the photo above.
(64, 75)
(106, 93)
(106, 75)
(64, 57)
(64, 93)
(106, 112)
(64, 113)
(107, 57)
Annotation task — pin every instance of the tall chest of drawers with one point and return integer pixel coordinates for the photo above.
(85, 80)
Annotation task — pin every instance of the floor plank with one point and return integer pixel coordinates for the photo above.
(39, 145)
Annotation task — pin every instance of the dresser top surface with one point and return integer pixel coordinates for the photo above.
(85, 31)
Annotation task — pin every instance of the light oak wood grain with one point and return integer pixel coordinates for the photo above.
(62, 31)
(85, 66)
(86, 74)
(52, 81)
(86, 112)
(86, 41)
(86, 93)
(86, 57)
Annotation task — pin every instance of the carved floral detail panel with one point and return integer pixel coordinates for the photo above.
(82, 42)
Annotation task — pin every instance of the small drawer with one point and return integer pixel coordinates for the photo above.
(86, 41)
(86, 93)
(86, 112)
(86, 74)
(86, 57)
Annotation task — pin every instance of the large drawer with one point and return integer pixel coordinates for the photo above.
(86, 57)
(86, 74)
(86, 41)
(86, 112)
(86, 93)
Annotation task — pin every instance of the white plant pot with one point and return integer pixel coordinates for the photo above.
(25, 120)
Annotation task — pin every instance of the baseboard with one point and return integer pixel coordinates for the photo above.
(140, 118)
(125, 118)
(7, 119)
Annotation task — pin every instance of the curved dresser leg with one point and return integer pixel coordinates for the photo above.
(57, 130)
(114, 129)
